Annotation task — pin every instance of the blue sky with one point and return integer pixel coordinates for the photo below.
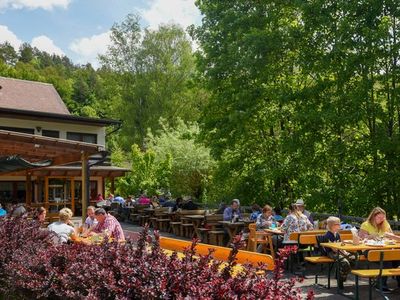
(80, 28)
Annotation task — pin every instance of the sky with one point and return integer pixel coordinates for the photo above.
(80, 29)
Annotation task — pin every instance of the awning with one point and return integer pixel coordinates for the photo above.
(75, 171)
(39, 149)
(16, 163)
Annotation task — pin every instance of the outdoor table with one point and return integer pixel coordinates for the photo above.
(350, 247)
(196, 220)
(186, 229)
(232, 229)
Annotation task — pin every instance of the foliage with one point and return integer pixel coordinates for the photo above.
(191, 163)
(32, 269)
(156, 72)
(304, 100)
(147, 173)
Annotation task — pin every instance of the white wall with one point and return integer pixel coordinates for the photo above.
(61, 127)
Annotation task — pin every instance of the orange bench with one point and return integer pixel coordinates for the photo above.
(220, 253)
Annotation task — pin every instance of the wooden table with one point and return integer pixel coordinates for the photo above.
(196, 221)
(349, 247)
(232, 229)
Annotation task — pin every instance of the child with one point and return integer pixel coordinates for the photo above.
(332, 235)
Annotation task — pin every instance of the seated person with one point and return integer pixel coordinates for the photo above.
(376, 227)
(343, 257)
(233, 213)
(301, 207)
(19, 210)
(130, 201)
(154, 202)
(278, 214)
(3, 212)
(178, 204)
(107, 225)
(40, 215)
(265, 220)
(99, 197)
(143, 200)
(64, 227)
(255, 211)
(119, 199)
(190, 205)
(90, 220)
(295, 221)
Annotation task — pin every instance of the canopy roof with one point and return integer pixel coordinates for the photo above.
(13, 163)
(35, 150)
(75, 171)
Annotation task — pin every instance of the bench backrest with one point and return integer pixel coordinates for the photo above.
(220, 253)
(186, 212)
(213, 218)
(308, 239)
(384, 255)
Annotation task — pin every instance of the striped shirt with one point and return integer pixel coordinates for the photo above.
(112, 226)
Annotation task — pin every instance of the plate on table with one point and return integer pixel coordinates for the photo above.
(375, 243)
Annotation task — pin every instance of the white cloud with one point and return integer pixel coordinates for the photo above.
(89, 48)
(7, 35)
(33, 4)
(182, 12)
(44, 43)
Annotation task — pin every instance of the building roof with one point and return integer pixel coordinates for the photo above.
(31, 96)
(52, 117)
(31, 100)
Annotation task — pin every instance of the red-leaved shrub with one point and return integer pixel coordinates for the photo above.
(31, 266)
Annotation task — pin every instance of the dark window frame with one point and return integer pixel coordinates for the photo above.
(51, 133)
(82, 135)
(18, 129)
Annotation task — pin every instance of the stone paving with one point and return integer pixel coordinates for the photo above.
(132, 231)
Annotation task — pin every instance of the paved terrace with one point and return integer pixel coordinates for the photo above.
(132, 231)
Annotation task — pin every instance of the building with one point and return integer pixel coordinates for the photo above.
(44, 149)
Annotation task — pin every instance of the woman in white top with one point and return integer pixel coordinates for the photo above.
(64, 227)
(295, 221)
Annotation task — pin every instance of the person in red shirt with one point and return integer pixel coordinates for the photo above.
(108, 225)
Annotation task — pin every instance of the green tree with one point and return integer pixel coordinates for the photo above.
(156, 77)
(313, 87)
(8, 54)
(147, 174)
(191, 162)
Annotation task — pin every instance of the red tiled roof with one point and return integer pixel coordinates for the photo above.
(31, 96)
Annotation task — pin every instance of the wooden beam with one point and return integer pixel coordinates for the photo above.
(28, 189)
(85, 179)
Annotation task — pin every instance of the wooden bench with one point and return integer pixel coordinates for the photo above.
(176, 225)
(311, 240)
(212, 231)
(377, 256)
(220, 253)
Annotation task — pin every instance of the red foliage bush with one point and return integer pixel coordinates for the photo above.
(32, 267)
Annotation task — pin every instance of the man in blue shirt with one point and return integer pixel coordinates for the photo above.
(233, 211)
(119, 199)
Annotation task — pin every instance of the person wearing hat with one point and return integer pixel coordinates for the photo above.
(300, 206)
(233, 212)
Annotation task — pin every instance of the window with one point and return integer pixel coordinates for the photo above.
(51, 133)
(82, 137)
(17, 129)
